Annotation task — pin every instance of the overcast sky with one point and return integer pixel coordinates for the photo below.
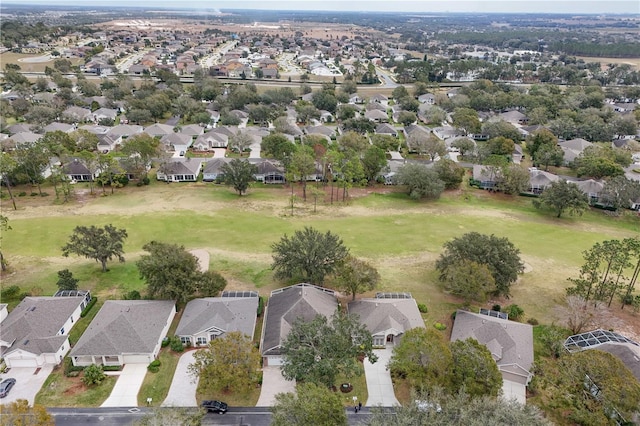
(486, 6)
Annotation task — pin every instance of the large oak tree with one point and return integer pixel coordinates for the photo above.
(100, 244)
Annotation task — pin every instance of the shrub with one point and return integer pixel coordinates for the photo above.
(440, 326)
(22, 194)
(87, 308)
(23, 295)
(515, 312)
(34, 194)
(496, 308)
(133, 295)
(93, 375)
(10, 292)
(176, 344)
(154, 366)
(111, 368)
(44, 194)
(71, 370)
(260, 305)
(422, 308)
(146, 180)
(532, 321)
(165, 342)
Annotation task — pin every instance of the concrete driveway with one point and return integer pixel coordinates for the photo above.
(379, 384)
(28, 383)
(125, 392)
(273, 383)
(182, 392)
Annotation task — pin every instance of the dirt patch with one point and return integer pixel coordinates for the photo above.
(76, 386)
(203, 258)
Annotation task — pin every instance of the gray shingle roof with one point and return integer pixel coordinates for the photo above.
(510, 342)
(225, 314)
(381, 315)
(286, 305)
(34, 324)
(627, 353)
(125, 326)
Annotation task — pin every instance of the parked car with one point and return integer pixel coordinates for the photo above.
(6, 386)
(215, 406)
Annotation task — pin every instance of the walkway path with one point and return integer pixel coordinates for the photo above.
(395, 155)
(125, 392)
(182, 392)
(379, 384)
(203, 258)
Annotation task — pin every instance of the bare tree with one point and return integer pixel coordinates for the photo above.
(580, 315)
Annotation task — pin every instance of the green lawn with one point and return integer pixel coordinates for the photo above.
(61, 391)
(156, 385)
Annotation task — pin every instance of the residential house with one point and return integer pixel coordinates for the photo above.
(108, 142)
(76, 171)
(514, 117)
(104, 114)
(386, 129)
(125, 332)
(3, 311)
(387, 316)
(269, 171)
(623, 348)
(19, 128)
(539, 180)
(36, 331)
(486, 176)
(59, 127)
(177, 142)
(376, 116)
(76, 114)
(211, 140)
(573, 148)
(209, 318)
(158, 130)
(180, 170)
(356, 99)
(321, 130)
(592, 188)
(125, 130)
(427, 98)
(193, 130)
(300, 302)
(23, 138)
(510, 344)
(212, 171)
(379, 99)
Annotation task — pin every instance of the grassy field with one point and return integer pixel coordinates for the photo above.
(401, 237)
(61, 391)
(16, 58)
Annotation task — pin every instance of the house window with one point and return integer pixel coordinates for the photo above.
(201, 341)
(185, 340)
(378, 341)
(62, 330)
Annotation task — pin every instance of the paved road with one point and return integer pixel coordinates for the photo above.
(244, 416)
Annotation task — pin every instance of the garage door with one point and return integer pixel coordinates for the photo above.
(273, 361)
(136, 359)
(15, 363)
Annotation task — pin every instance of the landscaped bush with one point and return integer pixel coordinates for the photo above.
(87, 308)
(496, 308)
(532, 321)
(165, 342)
(146, 180)
(10, 292)
(71, 370)
(440, 326)
(111, 368)
(515, 312)
(34, 194)
(93, 375)
(22, 194)
(133, 295)
(423, 308)
(154, 366)
(176, 344)
(260, 305)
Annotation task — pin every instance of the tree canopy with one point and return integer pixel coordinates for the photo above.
(66, 281)
(469, 280)
(239, 174)
(355, 276)
(100, 244)
(19, 413)
(474, 369)
(499, 255)
(173, 273)
(310, 405)
(320, 350)
(563, 196)
(229, 363)
(308, 254)
(420, 181)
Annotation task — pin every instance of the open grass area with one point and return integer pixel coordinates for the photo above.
(403, 238)
(234, 399)
(359, 384)
(156, 385)
(61, 391)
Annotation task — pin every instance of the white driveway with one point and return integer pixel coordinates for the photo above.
(395, 155)
(273, 383)
(125, 392)
(28, 383)
(379, 384)
(219, 152)
(182, 392)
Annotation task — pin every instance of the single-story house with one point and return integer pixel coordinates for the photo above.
(487, 176)
(159, 130)
(427, 98)
(213, 169)
(386, 129)
(376, 116)
(209, 141)
(269, 172)
(212, 317)
(78, 172)
(177, 142)
(379, 99)
(301, 302)
(61, 127)
(193, 130)
(180, 170)
(539, 180)
(387, 316)
(125, 332)
(510, 344)
(573, 148)
(35, 333)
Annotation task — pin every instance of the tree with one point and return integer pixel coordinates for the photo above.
(277, 146)
(449, 172)
(499, 255)
(563, 196)
(310, 405)
(141, 149)
(464, 145)
(541, 138)
(239, 173)
(4, 227)
(423, 358)
(93, 375)
(474, 369)
(513, 180)
(240, 142)
(89, 159)
(7, 167)
(580, 315)
(171, 272)
(469, 280)
(172, 416)
(467, 120)
(599, 161)
(228, 363)
(440, 409)
(407, 117)
(399, 93)
(32, 159)
(308, 255)
(619, 192)
(320, 350)
(548, 155)
(355, 276)
(18, 413)
(493, 129)
(66, 281)
(421, 182)
(373, 161)
(302, 164)
(101, 244)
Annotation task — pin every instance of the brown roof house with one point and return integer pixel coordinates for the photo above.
(387, 316)
(510, 344)
(35, 333)
(125, 332)
(212, 317)
(286, 305)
